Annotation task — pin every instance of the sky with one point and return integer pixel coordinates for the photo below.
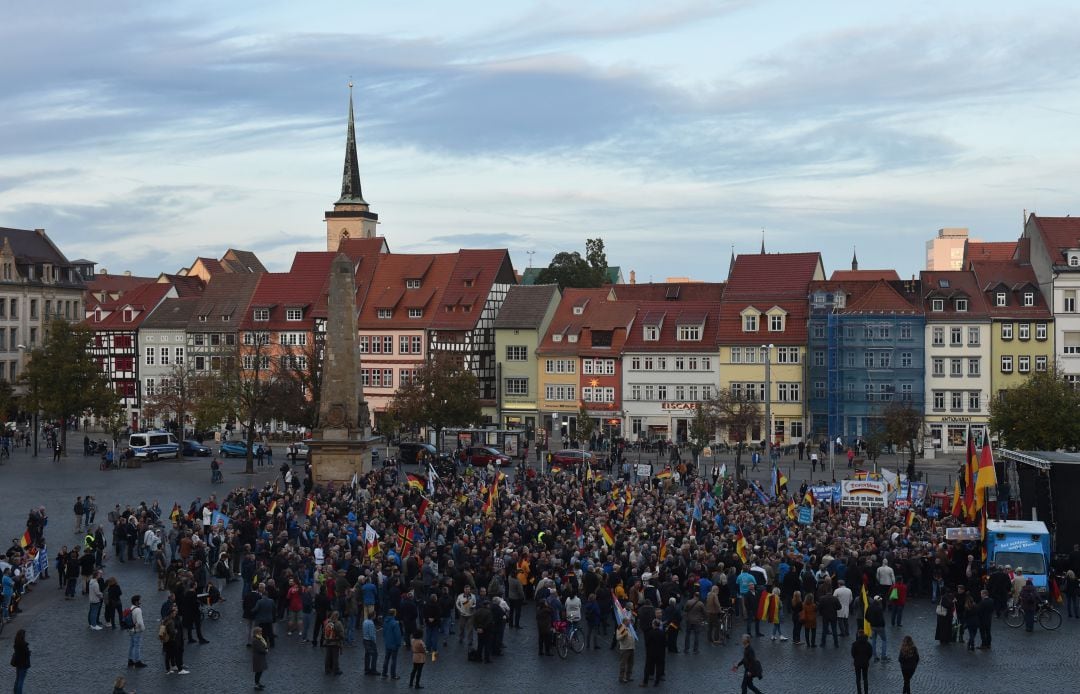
(145, 134)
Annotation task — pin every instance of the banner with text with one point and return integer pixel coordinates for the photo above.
(863, 494)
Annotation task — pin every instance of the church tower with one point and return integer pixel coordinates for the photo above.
(351, 216)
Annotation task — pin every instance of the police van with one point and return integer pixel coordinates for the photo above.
(152, 445)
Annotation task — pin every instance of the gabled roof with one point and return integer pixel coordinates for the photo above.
(525, 306)
(1058, 234)
(474, 273)
(1015, 279)
(171, 314)
(669, 317)
(186, 285)
(386, 289)
(33, 246)
(731, 324)
(759, 275)
(864, 275)
(301, 287)
(950, 285)
(241, 261)
(227, 294)
(982, 251)
(664, 291)
(883, 297)
(565, 322)
(141, 301)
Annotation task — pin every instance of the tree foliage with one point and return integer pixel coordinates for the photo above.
(297, 386)
(442, 394)
(1041, 414)
(902, 425)
(585, 426)
(8, 401)
(737, 415)
(63, 379)
(175, 396)
(569, 269)
(702, 429)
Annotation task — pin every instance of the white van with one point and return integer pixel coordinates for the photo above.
(152, 445)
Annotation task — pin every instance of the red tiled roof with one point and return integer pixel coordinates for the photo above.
(874, 296)
(479, 269)
(698, 312)
(863, 275)
(794, 333)
(960, 284)
(756, 275)
(1014, 279)
(981, 251)
(564, 321)
(186, 285)
(387, 290)
(143, 300)
(1059, 234)
(661, 291)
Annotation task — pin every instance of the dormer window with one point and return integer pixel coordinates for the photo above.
(776, 324)
(937, 305)
(652, 333)
(1074, 260)
(1000, 299)
(691, 333)
(571, 338)
(466, 308)
(97, 315)
(961, 305)
(841, 298)
(416, 313)
(578, 310)
(225, 318)
(261, 314)
(468, 283)
(1029, 298)
(412, 284)
(385, 313)
(556, 337)
(294, 314)
(749, 323)
(202, 318)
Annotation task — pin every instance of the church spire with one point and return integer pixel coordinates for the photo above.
(350, 177)
(731, 265)
(854, 259)
(763, 241)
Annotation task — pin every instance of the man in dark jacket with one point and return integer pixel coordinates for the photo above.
(751, 667)
(1000, 587)
(828, 608)
(750, 605)
(861, 652)
(655, 652)
(263, 615)
(875, 616)
(985, 610)
(483, 622)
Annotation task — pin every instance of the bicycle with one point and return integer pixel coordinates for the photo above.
(1045, 614)
(725, 625)
(568, 635)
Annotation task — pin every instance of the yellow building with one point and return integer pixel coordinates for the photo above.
(522, 322)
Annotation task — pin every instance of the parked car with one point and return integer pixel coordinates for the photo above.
(416, 452)
(297, 451)
(153, 445)
(483, 455)
(237, 449)
(193, 448)
(571, 456)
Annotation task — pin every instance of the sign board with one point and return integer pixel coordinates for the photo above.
(806, 515)
(864, 518)
(918, 495)
(863, 494)
(961, 533)
(933, 512)
(707, 452)
(826, 493)
(644, 470)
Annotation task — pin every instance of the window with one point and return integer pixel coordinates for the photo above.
(956, 367)
(384, 313)
(388, 378)
(661, 392)
(150, 352)
(403, 344)
(870, 393)
(776, 324)
(14, 305)
(819, 331)
(560, 366)
(1029, 298)
(560, 392)
(796, 429)
(884, 360)
(412, 284)
(937, 305)
(905, 360)
(198, 339)
(1006, 363)
(164, 356)
(961, 305)
(680, 364)
(905, 392)
(749, 323)
(868, 332)
(635, 364)
(362, 344)
(1074, 260)
(1006, 331)
(34, 311)
(787, 355)
(680, 393)
(819, 390)
(416, 313)
(819, 358)
(292, 339)
(905, 331)
(1072, 343)
(259, 314)
(851, 358)
(938, 366)
(999, 299)
(939, 337)
(956, 337)
(294, 314)
(376, 378)
(974, 367)
(517, 353)
(956, 400)
(635, 392)
(939, 400)
(706, 363)
(1040, 363)
(652, 333)
(376, 345)
(689, 333)
(884, 332)
(788, 392)
(661, 363)
(649, 393)
(648, 363)
(365, 377)
(692, 393)
(1023, 331)
(149, 387)
(1040, 331)
(1069, 297)
(179, 352)
(868, 359)
(1023, 364)
(517, 386)
(736, 355)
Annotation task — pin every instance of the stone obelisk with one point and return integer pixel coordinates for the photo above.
(342, 440)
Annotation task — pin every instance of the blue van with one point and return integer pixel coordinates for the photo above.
(152, 445)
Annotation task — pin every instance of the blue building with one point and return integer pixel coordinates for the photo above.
(865, 351)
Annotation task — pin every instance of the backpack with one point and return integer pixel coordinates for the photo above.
(163, 634)
(126, 620)
(329, 632)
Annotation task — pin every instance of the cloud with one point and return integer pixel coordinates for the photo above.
(467, 240)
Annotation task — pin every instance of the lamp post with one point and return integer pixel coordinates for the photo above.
(22, 350)
(768, 400)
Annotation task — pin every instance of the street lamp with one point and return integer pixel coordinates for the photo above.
(22, 349)
(768, 400)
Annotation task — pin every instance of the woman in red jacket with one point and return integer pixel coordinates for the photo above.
(897, 600)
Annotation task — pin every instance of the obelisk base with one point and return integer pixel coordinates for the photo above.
(337, 460)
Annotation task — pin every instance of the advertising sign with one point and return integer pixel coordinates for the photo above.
(863, 494)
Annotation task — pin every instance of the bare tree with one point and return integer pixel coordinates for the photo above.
(175, 396)
(903, 427)
(739, 416)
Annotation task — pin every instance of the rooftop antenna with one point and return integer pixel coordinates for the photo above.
(530, 254)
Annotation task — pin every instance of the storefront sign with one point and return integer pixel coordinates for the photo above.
(678, 406)
(952, 419)
(863, 493)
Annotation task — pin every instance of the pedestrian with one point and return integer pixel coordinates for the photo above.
(118, 686)
(1072, 594)
(909, 660)
(371, 649)
(20, 660)
(392, 643)
(828, 608)
(624, 636)
(259, 651)
(332, 632)
(172, 643)
(96, 597)
(985, 609)
(113, 605)
(419, 657)
(1029, 599)
(694, 611)
(875, 617)
(861, 652)
(263, 615)
(844, 597)
(655, 653)
(943, 632)
(897, 600)
(751, 666)
(544, 618)
(796, 617)
(750, 605)
(79, 511)
(809, 619)
(137, 627)
(970, 620)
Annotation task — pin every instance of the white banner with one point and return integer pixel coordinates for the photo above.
(864, 493)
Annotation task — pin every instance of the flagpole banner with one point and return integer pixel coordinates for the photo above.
(916, 498)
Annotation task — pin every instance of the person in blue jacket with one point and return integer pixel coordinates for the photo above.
(392, 642)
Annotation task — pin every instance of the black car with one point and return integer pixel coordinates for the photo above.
(192, 448)
(416, 452)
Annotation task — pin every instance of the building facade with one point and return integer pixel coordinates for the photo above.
(521, 324)
(162, 341)
(1054, 253)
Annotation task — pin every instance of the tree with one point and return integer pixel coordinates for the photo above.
(441, 394)
(208, 406)
(585, 426)
(297, 386)
(702, 430)
(569, 269)
(1041, 414)
(902, 424)
(63, 380)
(175, 396)
(8, 401)
(736, 414)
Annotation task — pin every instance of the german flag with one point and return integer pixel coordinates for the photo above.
(424, 503)
(768, 609)
(271, 508)
(910, 518)
(957, 500)
(608, 534)
(663, 547)
(1055, 590)
(665, 475)
(611, 506)
(556, 469)
(416, 482)
(309, 506)
(25, 540)
(740, 546)
(791, 508)
(809, 498)
(969, 479)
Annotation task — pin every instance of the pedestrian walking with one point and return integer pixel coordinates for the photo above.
(751, 667)
(392, 643)
(419, 657)
(694, 611)
(809, 619)
(332, 633)
(259, 651)
(137, 625)
(861, 652)
(20, 659)
(371, 649)
(96, 597)
(544, 618)
(79, 511)
(985, 610)
(909, 660)
(875, 617)
(624, 636)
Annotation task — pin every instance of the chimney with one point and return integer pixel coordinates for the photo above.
(633, 277)
(127, 273)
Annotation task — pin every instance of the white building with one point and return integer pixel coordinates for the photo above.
(1055, 257)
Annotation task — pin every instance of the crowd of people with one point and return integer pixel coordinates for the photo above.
(664, 563)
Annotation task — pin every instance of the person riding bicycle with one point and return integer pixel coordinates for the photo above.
(215, 471)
